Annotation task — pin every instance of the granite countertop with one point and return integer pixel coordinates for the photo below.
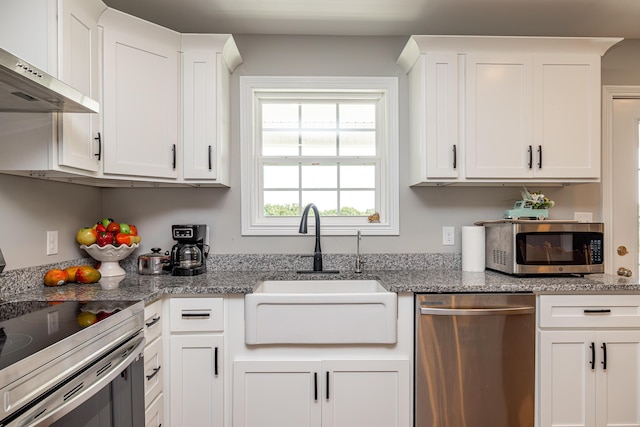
(149, 288)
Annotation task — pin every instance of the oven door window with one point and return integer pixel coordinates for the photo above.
(559, 248)
(119, 404)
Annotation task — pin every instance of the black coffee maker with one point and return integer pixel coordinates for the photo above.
(189, 254)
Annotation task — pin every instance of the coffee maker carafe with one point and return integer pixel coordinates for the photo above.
(188, 255)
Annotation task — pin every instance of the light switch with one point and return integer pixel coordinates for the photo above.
(448, 236)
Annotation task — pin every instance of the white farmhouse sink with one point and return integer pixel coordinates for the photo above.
(320, 312)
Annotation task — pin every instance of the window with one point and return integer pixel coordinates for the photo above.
(328, 141)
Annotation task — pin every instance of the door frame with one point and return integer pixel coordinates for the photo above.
(609, 93)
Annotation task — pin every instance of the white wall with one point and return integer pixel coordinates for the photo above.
(30, 207)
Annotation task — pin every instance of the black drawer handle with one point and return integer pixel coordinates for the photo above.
(455, 157)
(155, 372)
(215, 362)
(597, 311)
(593, 356)
(196, 315)
(153, 321)
(530, 152)
(99, 140)
(604, 355)
(539, 156)
(315, 386)
(327, 385)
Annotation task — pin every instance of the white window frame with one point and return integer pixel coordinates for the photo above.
(253, 221)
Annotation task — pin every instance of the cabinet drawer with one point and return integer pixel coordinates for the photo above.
(153, 321)
(589, 311)
(153, 370)
(196, 314)
(153, 416)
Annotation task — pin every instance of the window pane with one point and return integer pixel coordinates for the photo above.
(319, 116)
(322, 143)
(316, 176)
(325, 201)
(281, 203)
(357, 116)
(358, 176)
(280, 143)
(279, 116)
(357, 202)
(276, 176)
(358, 143)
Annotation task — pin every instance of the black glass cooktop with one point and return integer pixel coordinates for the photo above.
(28, 327)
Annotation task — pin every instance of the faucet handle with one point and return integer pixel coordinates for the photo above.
(359, 263)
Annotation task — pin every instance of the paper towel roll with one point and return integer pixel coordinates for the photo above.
(473, 248)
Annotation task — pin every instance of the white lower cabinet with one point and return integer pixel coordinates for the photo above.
(327, 393)
(589, 361)
(196, 357)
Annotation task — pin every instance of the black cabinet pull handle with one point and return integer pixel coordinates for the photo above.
(530, 152)
(597, 311)
(315, 386)
(155, 372)
(455, 156)
(196, 315)
(539, 156)
(593, 356)
(210, 158)
(99, 153)
(327, 385)
(215, 362)
(153, 321)
(604, 355)
(173, 150)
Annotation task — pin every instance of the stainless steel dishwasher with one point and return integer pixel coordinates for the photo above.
(475, 360)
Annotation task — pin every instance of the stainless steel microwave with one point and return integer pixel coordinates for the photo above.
(544, 247)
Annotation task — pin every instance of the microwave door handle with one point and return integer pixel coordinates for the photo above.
(506, 311)
(63, 405)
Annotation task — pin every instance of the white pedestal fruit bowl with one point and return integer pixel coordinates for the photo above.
(110, 257)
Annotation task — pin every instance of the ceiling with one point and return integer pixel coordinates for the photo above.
(569, 18)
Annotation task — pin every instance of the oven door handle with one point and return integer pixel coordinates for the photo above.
(83, 387)
(477, 311)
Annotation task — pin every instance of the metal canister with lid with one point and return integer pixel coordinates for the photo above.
(154, 262)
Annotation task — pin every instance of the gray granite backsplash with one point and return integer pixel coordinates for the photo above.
(15, 282)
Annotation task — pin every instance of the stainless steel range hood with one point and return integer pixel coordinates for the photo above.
(25, 88)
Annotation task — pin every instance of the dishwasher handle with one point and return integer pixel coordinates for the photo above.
(501, 311)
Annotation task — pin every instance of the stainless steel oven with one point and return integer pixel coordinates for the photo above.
(72, 364)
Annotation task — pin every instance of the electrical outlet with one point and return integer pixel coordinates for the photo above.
(583, 216)
(52, 242)
(448, 236)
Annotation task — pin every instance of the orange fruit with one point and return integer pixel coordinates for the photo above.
(87, 274)
(55, 277)
(71, 271)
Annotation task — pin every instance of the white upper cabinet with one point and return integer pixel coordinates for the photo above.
(140, 97)
(499, 115)
(64, 41)
(207, 62)
(28, 29)
(80, 145)
(525, 109)
(434, 117)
